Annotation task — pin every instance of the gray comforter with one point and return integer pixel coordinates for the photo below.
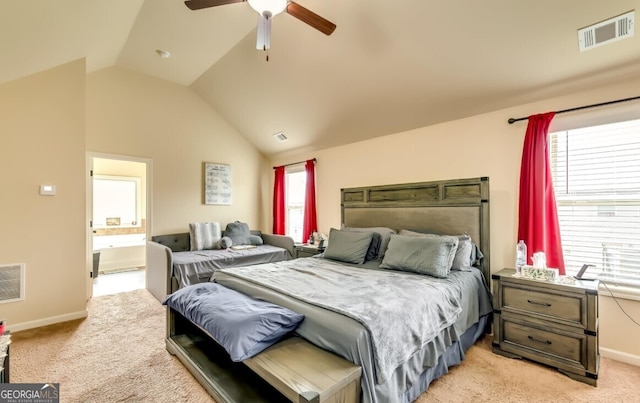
(400, 323)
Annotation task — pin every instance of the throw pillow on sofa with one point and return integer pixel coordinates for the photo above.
(205, 235)
(240, 234)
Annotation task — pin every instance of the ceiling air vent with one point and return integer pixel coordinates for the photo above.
(280, 136)
(11, 282)
(605, 32)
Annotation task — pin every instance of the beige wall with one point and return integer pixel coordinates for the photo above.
(136, 115)
(42, 142)
(483, 145)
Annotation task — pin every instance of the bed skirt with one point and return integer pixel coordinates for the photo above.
(454, 355)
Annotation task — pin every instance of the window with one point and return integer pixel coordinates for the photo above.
(116, 201)
(596, 178)
(295, 194)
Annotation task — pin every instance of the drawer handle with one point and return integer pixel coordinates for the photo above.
(547, 342)
(538, 303)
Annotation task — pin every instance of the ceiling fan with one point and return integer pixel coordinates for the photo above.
(266, 10)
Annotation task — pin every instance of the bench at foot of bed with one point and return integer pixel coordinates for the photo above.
(292, 370)
(304, 373)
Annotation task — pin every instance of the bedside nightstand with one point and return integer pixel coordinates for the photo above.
(550, 323)
(306, 250)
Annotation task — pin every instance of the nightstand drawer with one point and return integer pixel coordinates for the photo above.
(571, 348)
(564, 308)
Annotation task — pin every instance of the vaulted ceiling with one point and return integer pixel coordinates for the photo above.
(389, 66)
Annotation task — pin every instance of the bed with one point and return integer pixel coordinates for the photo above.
(392, 370)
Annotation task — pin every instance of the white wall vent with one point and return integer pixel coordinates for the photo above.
(12, 282)
(606, 32)
(280, 136)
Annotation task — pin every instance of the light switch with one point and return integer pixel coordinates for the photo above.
(48, 190)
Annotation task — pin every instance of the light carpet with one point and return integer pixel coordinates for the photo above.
(118, 354)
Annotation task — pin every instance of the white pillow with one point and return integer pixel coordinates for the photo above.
(205, 235)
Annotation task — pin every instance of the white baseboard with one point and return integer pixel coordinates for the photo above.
(48, 321)
(620, 356)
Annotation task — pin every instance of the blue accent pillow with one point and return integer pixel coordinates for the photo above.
(242, 325)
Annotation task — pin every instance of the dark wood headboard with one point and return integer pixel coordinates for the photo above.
(450, 207)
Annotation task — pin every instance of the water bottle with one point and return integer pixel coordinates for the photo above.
(521, 256)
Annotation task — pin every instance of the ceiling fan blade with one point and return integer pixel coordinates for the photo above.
(325, 26)
(198, 4)
(264, 33)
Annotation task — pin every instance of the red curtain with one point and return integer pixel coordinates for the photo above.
(538, 223)
(279, 211)
(309, 224)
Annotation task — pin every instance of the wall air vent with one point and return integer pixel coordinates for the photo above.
(12, 282)
(606, 32)
(280, 136)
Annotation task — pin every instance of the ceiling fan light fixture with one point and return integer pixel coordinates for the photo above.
(271, 6)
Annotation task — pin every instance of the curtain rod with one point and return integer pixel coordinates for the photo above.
(296, 163)
(617, 101)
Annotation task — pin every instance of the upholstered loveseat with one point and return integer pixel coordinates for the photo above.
(172, 264)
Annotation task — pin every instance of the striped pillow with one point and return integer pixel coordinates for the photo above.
(205, 235)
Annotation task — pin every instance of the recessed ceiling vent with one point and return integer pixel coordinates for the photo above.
(12, 282)
(280, 136)
(605, 32)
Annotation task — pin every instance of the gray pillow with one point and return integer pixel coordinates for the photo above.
(374, 247)
(204, 235)
(224, 243)
(465, 253)
(348, 246)
(424, 255)
(255, 240)
(384, 232)
(239, 233)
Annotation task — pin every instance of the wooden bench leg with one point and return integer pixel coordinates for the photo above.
(309, 397)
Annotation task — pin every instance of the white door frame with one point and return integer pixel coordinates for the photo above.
(90, 155)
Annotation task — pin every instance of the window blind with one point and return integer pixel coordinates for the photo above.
(596, 179)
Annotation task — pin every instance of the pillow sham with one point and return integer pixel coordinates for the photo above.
(204, 235)
(348, 246)
(384, 232)
(374, 247)
(465, 252)
(239, 233)
(424, 255)
(242, 325)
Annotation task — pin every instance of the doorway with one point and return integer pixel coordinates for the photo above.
(118, 211)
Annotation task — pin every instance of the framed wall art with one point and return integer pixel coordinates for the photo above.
(217, 184)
